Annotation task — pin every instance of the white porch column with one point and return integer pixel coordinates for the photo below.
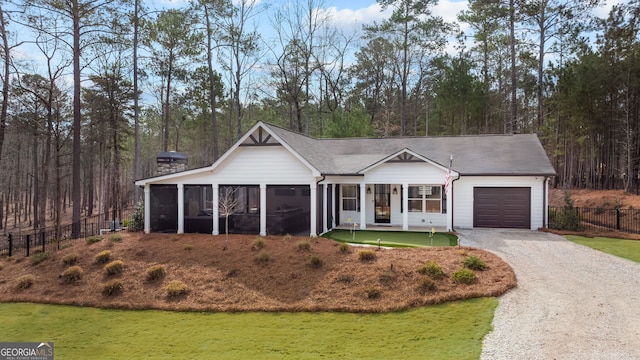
(314, 209)
(333, 213)
(215, 203)
(405, 207)
(263, 209)
(450, 207)
(363, 206)
(180, 208)
(325, 207)
(147, 208)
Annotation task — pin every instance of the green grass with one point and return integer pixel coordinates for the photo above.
(447, 331)
(628, 249)
(393, 238)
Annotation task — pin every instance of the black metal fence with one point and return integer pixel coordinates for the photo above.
(49, 240)
(594, 219)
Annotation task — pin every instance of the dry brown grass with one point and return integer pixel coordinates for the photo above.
(232, 279)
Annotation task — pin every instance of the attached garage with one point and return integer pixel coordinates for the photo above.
(502, 207)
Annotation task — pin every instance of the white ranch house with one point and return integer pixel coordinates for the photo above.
(279, 181)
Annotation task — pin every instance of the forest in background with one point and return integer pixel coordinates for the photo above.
(114, 83)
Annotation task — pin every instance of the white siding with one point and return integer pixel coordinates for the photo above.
(463, 196)
(272, 165)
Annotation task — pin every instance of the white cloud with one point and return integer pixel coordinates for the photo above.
(353, 19)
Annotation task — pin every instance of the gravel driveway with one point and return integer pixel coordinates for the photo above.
(571, 302)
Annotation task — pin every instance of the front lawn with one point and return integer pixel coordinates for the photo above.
(447, 331)
(393, 238)
(628, 249)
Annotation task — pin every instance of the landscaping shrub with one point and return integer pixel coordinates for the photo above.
(112, 287)
(188, 247)
(263, 257)
(315, 261)
(39, 257)
(427, 284)
(345, 278)
(303, 245)
(567, 217)
(475, 263)
(388, 277)
(93, 239)
(114, 268)
(432, 270)
(344, 248)
(103, 256)
(176, 288)
(137, 219)
(116, 237)
(71, 274)
(464, 276)
(258, 244)
(156, 272)
(232, 273)
(366, 255)
(373, 293)
(25, 281)
(70, 259)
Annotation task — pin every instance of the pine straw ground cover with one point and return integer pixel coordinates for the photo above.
(277, 277)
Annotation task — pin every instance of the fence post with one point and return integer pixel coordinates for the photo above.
(42, 236)
(617, 218)
(28, 241)
(10, 244)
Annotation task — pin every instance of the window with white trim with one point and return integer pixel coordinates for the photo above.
(425, 198)
(349, 197)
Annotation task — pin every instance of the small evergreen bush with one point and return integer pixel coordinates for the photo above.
(116, 237)
(156, 272)
(388, 277)
(176, 288)
(344, 248)
(70, 259)
(112, 287)
(373, 293)
(464, 276)
(303, 245)
(25, 281)
(427, 284)
(474, 263)
(93, 239)
(315, 261)
(114, 268)
(258, 244)
(366, 255)
(344, 278)
(39, 257)
(71, 274)
(103, 256)
(137, 219)
(432, 270)
(263, 257)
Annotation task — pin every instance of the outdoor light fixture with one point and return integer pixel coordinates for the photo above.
(368, 190)
(395, 190)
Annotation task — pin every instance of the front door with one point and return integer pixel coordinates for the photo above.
(382, 203)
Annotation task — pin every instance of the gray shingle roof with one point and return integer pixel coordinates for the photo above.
(520, 154)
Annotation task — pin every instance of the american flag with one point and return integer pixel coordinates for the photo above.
(447, 177)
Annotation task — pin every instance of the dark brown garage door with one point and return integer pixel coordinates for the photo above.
(502, 207)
